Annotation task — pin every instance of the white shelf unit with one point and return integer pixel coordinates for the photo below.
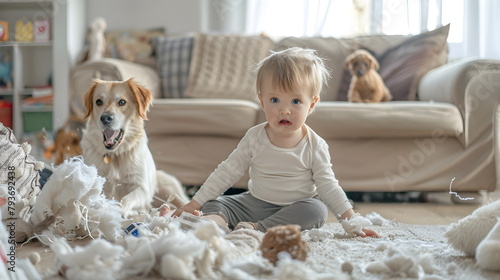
(34, 63)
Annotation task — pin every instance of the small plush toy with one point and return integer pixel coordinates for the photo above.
(285, 239)
(97, 40)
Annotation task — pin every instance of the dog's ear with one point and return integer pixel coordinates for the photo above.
(89, 99)
(347, 61)
(373, 62)
(142, 96)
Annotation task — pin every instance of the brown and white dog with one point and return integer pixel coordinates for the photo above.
(366, 84)
(116, 143)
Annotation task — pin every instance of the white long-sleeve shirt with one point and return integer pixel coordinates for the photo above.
(277, 175)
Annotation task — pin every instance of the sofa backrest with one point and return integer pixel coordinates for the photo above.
(403, 59)
(222, 66)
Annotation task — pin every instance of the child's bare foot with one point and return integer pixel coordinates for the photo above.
(164, 210)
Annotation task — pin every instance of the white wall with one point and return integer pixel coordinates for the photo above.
(176, 16)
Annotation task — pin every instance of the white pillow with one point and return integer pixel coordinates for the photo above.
(466, 234)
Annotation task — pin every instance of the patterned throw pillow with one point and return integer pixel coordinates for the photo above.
(174, 58)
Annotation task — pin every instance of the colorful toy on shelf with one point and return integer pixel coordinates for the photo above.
(24, 30)
(4, 31)
(5, 70)
(41, 30)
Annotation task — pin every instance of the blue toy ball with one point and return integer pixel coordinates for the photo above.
(133, 229)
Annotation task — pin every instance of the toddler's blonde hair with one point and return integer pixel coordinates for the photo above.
(293, 68)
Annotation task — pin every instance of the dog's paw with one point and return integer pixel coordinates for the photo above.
(126, 209)
(127, 214)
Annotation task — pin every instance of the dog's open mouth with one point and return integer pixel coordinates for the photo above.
(112, 137)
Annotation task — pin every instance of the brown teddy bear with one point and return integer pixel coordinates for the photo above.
(285, 238)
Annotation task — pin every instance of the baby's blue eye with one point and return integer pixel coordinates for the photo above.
(274, 100)
(295, 101)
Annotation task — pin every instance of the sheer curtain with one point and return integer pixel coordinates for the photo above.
(480, 34)
(302, 17)
(472, 30)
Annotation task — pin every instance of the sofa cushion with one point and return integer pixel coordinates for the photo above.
(386, 120)
(202, 117)
(222, 66)
(403, 65)
(174, 58)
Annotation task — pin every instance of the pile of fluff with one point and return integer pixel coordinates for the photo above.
(406, 263)
(72, 205)
(202, 252)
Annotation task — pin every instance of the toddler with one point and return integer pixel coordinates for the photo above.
(291, 177)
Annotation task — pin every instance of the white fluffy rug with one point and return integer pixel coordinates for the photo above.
(403, 251)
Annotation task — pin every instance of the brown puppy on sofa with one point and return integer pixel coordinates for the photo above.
(366, 84)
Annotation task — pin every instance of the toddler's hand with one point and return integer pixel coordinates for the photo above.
(190, 207)
(356, 224)
(365, 232)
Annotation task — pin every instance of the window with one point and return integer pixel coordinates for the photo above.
(472, 30)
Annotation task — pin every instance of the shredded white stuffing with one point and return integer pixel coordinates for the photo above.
(73, 195)
(355, 224)
(404, 263)
(376, 219)
(98, 260)
(318, 234)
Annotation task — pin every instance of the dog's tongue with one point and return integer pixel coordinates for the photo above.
(110, 135)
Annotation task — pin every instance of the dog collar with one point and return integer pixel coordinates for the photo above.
(107, 158)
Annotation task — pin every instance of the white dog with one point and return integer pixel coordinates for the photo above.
(115, 142)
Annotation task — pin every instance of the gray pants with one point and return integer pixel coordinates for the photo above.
(307, 213)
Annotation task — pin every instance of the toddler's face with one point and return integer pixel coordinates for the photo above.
(285, 111)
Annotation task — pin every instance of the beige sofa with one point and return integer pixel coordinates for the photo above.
(442, 125)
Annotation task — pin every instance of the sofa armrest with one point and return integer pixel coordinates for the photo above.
(473, 85)
(448, 83)
(109, 69)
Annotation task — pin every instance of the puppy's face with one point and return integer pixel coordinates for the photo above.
(360, 62)
(117, 109)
